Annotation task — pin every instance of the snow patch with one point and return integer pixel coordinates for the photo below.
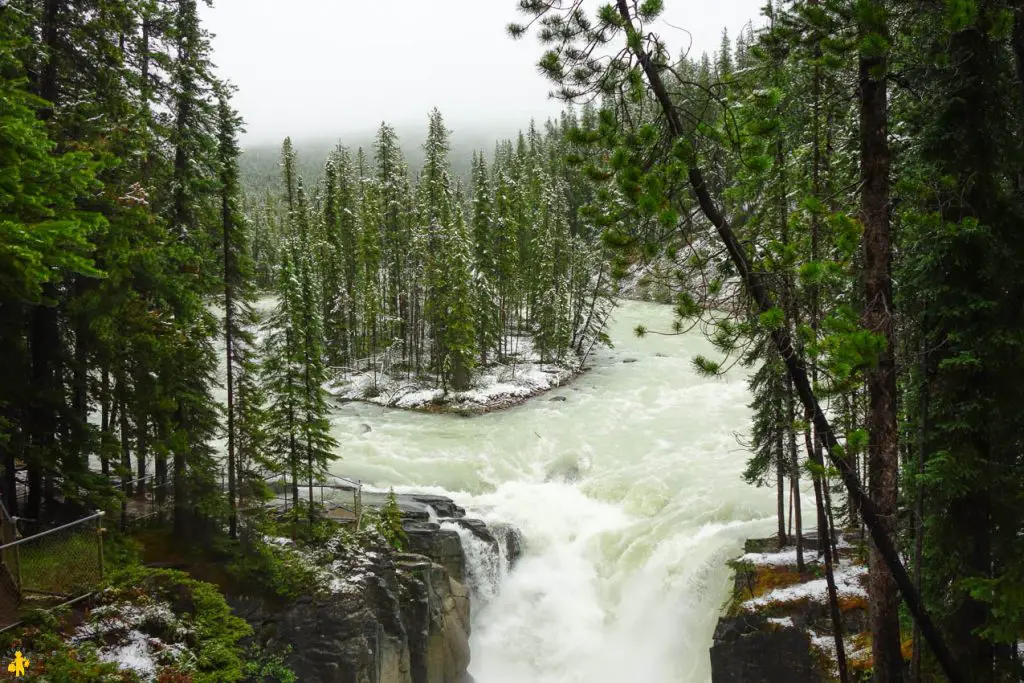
(126, 624)
(495, 385)
(784, 558)
(848, 585)
(134, 654)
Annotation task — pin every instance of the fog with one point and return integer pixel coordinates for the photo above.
(318, 69)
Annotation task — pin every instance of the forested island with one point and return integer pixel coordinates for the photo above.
(830, 203)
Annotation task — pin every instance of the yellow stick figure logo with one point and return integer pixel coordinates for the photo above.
(18, 666)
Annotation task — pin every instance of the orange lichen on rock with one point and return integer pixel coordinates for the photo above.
(770, 578)
(852, 602)
(859, 657)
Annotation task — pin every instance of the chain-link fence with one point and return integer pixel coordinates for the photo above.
(145, 500)
(51, 567)
(340, 498)
(10, 595)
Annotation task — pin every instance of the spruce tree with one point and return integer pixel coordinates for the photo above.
(237, 286)
(486, 303)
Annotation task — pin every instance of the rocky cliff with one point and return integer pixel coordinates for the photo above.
(388, 617)
(777, 627)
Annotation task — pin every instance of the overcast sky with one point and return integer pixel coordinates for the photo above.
(325, 68)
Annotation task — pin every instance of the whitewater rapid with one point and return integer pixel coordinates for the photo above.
(629, 496)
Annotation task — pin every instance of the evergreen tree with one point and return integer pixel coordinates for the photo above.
(237, 286)
(486, 304)
(44, 236)
(283, 378)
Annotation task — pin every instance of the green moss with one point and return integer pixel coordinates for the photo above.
(272, 571)
(218, 632)
(211, 632)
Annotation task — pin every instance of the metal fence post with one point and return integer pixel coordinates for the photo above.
(124, 508)
(99, 542)
(17, 561)
(357, 502)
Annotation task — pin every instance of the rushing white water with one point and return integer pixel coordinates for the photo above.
(628, 494)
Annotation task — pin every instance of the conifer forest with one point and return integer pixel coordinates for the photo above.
(832, 201)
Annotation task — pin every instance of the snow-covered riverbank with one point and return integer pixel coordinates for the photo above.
(494, 387)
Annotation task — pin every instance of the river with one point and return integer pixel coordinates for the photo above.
(623, 574)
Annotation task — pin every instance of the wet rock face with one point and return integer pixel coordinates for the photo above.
(747, 650)
(443, 546)
(341, 637)
(390, 617)
(435, 611)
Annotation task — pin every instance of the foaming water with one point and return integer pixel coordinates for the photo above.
(630, 501)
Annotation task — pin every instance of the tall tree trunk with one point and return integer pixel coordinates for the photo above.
(293, 459)
(43, 409)
(820, 482)
(229, 322)
(883, 453)
(780, 484)
(126, 454)
(1018, 53)
(794, 477)
(45, 329)
(105, 420)
(141, 449)
(922, 435)
(789, 307)
(795, 364)
(181, 511)
(160, 467)
(309, 459)
(80, 389)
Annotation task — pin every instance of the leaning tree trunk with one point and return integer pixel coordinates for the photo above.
(826, 548)
(795, 365)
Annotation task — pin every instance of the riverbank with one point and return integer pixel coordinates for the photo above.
(495, 387)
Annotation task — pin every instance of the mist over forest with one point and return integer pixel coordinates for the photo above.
(261, 160)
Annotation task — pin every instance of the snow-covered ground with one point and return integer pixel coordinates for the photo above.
(123, 632)
(787, 603)
(849, 578)
(495, 386)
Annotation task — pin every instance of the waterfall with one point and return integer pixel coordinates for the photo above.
(629, 494)
(486, 565)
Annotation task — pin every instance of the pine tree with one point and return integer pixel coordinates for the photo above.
(283, 378)
(392, 183)
(486, 304)
(459, 336)
(237, 285)
(194, 120)
(43, 237)
(307, 328)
